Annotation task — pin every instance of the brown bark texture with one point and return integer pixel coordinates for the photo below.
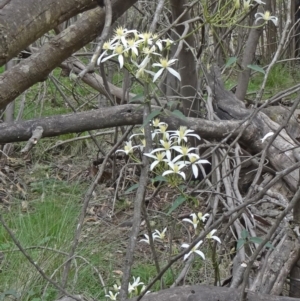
(22, 22)
(36, 68)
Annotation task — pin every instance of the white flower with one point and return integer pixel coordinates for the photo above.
(160, 235)
(146, 37)
(196, 218)
(184, 150)
(259, 2)
(128, 148)
(266, 137)
(118, 51)
(147, 240)
(183, 133)
(166, 146)
(121, 34)
(112, 296)
(194, 161)
(158, 158)
(266, 17)
(212, 236)
(175, 168)
(202, 217)
(194, 221)
(165, 65)
(136, 282)
(116, 287)
(194, 250)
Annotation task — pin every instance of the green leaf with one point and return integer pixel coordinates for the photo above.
(257, 68)
(256, 240)
(131, 188)
(244, 234)
(138, 97)
(178, 114)
(269, 245)
(231, 61)
(179, 200)
(240, 243)
(160, 179)
(151, 116)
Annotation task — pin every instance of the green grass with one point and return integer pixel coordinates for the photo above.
(50, 224)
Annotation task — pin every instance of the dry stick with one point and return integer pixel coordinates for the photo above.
(216, 224)
(293, 202)
(157, 14)
(140, 197)
(105, 32)
(151, 240)
(87, 198)
(17, 243)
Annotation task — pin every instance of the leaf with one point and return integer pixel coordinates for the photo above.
(178, 114)
(244, 234)
(138, 97)
(160, 179)
(256, 240)
(240, 243)
(257, 68)
(131, 188)
(179, 200)
(151, 116)
(231, 61)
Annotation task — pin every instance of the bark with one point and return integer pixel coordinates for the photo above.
(109, 117)
(23, 21)
(187, 61)
(229, 107)
(94, 80)
(202, 293)
(36, 68)
(247, 59)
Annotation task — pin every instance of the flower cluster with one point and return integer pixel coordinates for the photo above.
(173, 154)
(196, 219)
(142, 50)
(134, 288)
(155, 235)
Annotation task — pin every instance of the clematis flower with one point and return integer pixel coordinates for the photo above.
(121, 34)
(160, 235)
(128, 148)
(112, 296)
(194, 250)
(183, 133)
(266, 17)
(166, 146)
(147, 240)
(132, 287)
(202, 217)
(165, 65)
(175, 168)
(159, 157)
(212, 236)
(119, 51)
(194, 221)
